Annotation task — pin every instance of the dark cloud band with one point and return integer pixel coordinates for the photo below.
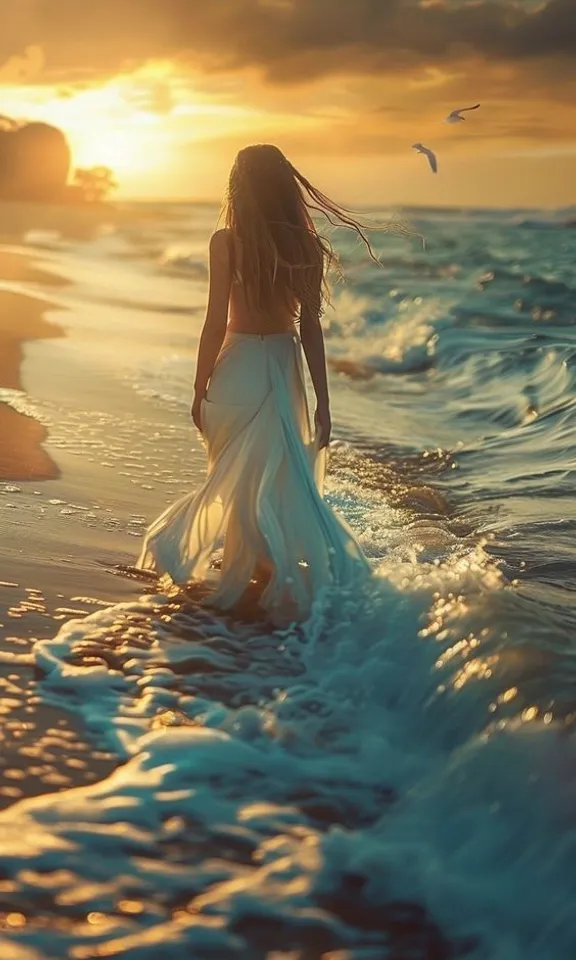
(287, 39)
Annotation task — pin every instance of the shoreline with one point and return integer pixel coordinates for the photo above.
(49, 572)
(22, 454)
(79, 479)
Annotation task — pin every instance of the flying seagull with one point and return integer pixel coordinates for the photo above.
(420, 148)
(455, 116)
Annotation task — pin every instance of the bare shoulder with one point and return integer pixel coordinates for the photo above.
(220, 245)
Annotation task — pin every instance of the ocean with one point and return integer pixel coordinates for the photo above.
(396, 778)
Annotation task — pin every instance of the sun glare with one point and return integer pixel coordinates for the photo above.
(159, 130)
(131, 124)
(103, 128)
(126, 151)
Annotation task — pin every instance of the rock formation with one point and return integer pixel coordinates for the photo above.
(34, 162)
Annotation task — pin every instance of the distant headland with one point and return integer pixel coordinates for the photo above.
(36, 166)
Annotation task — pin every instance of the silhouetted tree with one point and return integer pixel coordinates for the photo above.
(94, 184)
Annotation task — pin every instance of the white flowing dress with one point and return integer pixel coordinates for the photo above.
(263, 496)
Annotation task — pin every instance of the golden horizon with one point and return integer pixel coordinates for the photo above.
(168, 133)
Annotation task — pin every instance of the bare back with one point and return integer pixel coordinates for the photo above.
(241, 317)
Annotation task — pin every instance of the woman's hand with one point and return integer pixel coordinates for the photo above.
(196, 411)
(323, 425)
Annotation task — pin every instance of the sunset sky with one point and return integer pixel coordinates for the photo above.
(166, 92)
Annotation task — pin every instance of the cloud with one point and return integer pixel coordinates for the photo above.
(289, 40)
(23, 68)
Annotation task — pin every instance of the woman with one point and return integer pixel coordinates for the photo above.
(262, 496)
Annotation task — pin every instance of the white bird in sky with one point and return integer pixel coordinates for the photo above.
(455, 116)
(420, 148)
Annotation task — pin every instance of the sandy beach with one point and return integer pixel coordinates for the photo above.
(51, 570)
(22, 456)
(43, 748)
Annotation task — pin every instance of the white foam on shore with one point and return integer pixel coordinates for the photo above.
(377, 719)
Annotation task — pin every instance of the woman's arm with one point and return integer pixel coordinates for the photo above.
(216, 320)
(312, 337)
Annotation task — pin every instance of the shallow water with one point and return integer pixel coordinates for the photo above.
(397, 777)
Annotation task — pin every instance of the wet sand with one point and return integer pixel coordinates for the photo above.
(77, 479)
(22, 456)
(43, 571)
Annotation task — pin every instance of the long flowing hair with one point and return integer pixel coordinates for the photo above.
(269, 207)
